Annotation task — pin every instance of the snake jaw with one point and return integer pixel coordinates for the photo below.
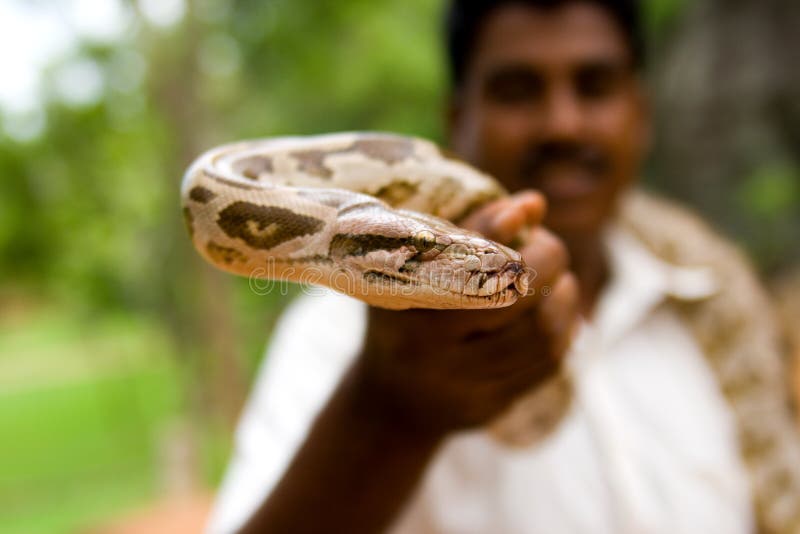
(401, 280)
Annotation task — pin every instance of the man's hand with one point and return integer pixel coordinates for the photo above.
(442, 371)
(421, 375)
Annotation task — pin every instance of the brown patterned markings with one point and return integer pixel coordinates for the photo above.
(389, 150)
(189, 220)
(361, 244)
(742, 384)
(313, 162)
(315, 258)
(201, 194)
(397, 192)
(226, 255)
(265, 227)
(755, 445)
(780, 482)
(254, 166)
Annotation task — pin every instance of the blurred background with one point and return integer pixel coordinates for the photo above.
(124, 359)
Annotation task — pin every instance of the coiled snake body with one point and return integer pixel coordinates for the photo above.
(366, 214)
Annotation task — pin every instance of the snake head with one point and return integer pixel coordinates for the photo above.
(414, 261)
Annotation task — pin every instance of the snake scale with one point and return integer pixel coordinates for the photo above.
(367, 214)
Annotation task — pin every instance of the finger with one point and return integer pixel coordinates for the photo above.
(559, 313)
(547, 257)
(525, 208)
(533, 203)
(503, 219)
(510, 351)
(510, 385)
(481, 220)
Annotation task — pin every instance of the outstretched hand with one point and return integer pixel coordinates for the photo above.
(449, 370)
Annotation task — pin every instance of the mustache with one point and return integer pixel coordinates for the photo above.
(590, 157)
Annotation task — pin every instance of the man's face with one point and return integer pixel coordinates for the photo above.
(550, 101)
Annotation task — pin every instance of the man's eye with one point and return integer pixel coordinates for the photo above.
(597, 82)
(514, 88)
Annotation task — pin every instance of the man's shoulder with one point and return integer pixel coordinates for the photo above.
(676, 234)
(738, 332)
(740, 308)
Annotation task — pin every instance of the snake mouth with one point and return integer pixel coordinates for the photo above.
(522, 280)
(386, 278)
(511, 283)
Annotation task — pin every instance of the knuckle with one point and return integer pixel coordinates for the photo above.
(556, 249)
(546, 245)
(567, 285)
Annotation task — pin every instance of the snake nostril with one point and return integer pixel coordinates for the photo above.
(515, 267)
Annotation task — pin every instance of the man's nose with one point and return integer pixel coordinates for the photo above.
(563, 114)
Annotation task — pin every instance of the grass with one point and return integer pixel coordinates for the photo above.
(88, 403)
(82, 406)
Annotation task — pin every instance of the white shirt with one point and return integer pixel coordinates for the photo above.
(649, 445)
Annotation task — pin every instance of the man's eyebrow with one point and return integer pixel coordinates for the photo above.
(523, 69)
(512, 69)
(606, 64)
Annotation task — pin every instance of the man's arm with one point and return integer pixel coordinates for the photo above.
(421, 375)
(352, 474)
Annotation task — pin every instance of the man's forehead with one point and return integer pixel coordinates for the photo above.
(575, 33)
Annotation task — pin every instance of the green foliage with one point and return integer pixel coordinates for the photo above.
(119, 327)
(660, 15)
(82, 415)
(768, 200)
(772, 192)
(90, 231)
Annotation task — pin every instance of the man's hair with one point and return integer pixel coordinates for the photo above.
(464, 19)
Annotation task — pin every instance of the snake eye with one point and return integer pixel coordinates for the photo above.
(424, 241)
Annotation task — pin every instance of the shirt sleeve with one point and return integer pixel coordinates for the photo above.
(313, 344)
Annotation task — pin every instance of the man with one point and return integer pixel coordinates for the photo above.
(673, 418)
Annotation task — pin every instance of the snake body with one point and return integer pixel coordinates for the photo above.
(367, 214)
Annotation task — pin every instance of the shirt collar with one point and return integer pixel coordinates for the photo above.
(640, 282)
